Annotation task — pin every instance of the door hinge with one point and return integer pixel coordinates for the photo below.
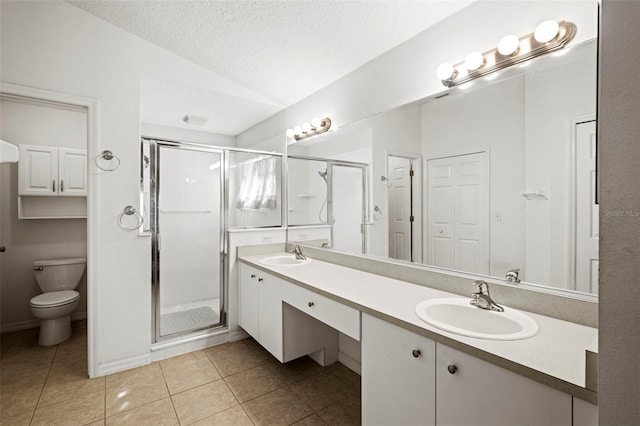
(411, 173)
(411, 218)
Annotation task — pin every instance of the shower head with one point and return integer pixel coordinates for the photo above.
(323, 175)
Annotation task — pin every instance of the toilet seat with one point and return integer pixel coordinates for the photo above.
(55, 299)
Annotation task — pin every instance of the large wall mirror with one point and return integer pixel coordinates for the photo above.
(496, 179)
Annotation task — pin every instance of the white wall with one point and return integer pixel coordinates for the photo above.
(186, 135)
(30, 240)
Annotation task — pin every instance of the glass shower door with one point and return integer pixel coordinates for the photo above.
(188, 239)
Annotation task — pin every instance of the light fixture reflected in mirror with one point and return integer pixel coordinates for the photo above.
(307, 130)
(549, 36)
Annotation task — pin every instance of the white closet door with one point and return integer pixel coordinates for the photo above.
(38, 170)
(587, 227)
(72, 172)
(400, 239)
(457, 213)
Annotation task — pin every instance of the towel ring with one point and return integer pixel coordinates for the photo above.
(107, 156)
(129, 211)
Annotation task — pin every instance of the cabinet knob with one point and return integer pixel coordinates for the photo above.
(253, 275)
(452, 368)
(416, 353)
(2, 249)
(260, 280)
(311, 304)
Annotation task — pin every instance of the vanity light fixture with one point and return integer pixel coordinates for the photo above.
(548, 36)
(315, 127)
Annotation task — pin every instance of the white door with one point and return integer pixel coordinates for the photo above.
(38, 170)
(398, 375)
(479, 393)
(457, 213)
(400, 174)
(72, 172)
(587, 229)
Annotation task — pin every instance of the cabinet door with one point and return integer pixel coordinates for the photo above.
(398, 384)
(72, 172)
(38, 170)
(584, 413)
(270, 314)
(480, 393)
(248, 300)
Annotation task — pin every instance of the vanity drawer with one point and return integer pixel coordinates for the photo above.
(341, 317)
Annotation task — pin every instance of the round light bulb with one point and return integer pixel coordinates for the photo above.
(290, 133)
(316, 122)
(446, 71)
(508, 45)
(306, 127)
(474, 61)
(546, 31)
(297, 130)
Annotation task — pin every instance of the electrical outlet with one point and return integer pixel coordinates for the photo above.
(266, 239)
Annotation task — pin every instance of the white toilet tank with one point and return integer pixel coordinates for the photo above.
(59, 274)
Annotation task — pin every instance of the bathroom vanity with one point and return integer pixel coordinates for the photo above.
(413, 373)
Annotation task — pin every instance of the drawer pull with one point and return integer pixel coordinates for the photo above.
(452, 368)
(311, 304)
(253, 275)
(416, 353)
(260, 280)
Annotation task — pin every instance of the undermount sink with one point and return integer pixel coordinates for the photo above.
(458, 316)
(284, 260)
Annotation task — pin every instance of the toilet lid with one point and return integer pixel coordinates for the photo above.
(55, 298)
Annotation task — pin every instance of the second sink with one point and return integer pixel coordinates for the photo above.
(458, 316)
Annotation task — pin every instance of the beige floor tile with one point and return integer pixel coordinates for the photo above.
(343, 373)
(312, 420)
(253, 383)
(319, 391)
(98, 423)
(60, 389)
(188, 371)
(295, 370)
(75, 348)
(232, 358)
(19, 420)
(280, 407)
(80, 411)
(203, 401)
(156, 413)
(12, 376)
(18, 400)
(133, 388)
(235, 416)
(27, 356)
(345, 412)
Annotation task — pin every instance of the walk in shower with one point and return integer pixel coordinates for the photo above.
(191, 194)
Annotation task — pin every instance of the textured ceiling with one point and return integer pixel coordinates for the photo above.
(282, 50)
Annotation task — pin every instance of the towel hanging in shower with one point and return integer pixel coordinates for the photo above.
(258, 185)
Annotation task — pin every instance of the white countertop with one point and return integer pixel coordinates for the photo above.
(557, 350)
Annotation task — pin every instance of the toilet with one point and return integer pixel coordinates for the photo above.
(58, 279)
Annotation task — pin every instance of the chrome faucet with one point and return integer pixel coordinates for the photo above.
(298, 252)
(482, 299)
(513, 275)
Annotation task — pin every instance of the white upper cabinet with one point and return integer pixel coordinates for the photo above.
(51, 171)
(38, 170)
(72, 172)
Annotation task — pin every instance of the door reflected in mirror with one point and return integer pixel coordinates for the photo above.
(504, 175)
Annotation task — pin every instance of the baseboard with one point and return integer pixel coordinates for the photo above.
(35, 323)
(123, 364)
(350, 363)
(238, 334)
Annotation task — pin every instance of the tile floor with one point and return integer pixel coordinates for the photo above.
(236, 383)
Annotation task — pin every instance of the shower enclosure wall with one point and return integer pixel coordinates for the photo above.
(191, 194)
